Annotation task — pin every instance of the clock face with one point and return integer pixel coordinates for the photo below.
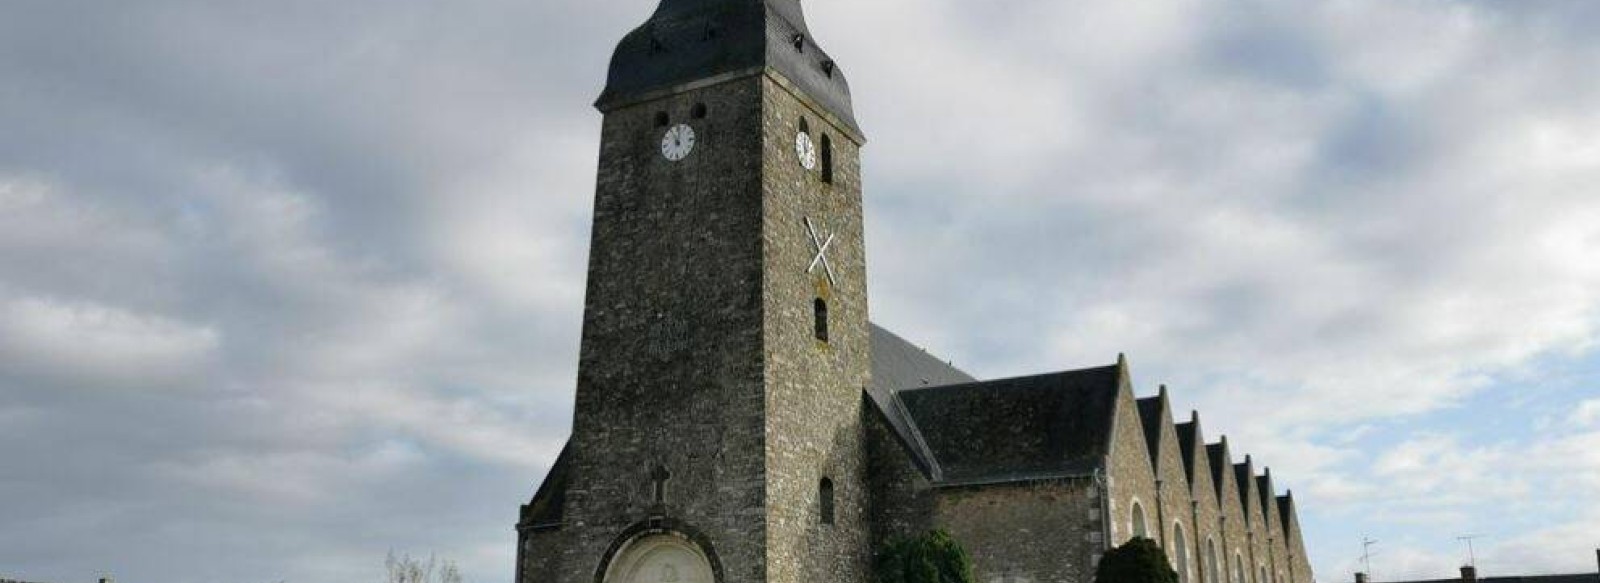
(678, 142)
(806, 150)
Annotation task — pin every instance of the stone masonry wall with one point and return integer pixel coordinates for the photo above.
(1256, 551)
(1299, 563)
(901, 500)
(1132, 477)
(1208, 541)
(1276, 551)
(814, 387)
(671, 369)
(1028, 532)
(1234, 529)
(1176, 509)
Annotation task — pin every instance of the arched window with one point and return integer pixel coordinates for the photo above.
(1140, 528)
(1238, 569)
(820, 309)
(805, 127)
(1213, 565)
(827, 159)
(1262, 578)
(699, 111)
(662, 120)
(825, 492)
(1180, 553)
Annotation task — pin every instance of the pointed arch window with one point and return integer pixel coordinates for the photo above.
(1213, 568)
(1238, 569)
(1140, 528)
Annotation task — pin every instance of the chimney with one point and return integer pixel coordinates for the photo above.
(1362, 578)
(1469, 574)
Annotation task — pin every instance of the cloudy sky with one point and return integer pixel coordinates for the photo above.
(286, 285)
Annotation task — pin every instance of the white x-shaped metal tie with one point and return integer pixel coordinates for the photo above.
(822, 252)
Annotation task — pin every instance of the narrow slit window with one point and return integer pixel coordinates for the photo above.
(825, 493)
(827, 159)
(662, 120)
(699, 111)
(820, 311)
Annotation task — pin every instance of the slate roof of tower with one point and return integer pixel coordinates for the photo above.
(694, 40)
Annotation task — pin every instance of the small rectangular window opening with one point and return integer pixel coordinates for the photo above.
(820, 309)
(827, 159)
(825, 492)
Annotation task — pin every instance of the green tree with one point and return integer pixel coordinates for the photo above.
(1139, 561)
(934, 557)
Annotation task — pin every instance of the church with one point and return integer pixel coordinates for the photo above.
(740, 419)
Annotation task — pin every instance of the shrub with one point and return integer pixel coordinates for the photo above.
(1139, 561)
(934, 557)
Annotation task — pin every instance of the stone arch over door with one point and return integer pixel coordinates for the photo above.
(663, 552)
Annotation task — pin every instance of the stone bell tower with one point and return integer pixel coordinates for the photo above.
(717, 436)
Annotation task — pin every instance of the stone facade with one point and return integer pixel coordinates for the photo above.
(1130, 477)
(1175, 513)
(1210, 544)
(1276, 549)
(738, 418)
(1026, 532)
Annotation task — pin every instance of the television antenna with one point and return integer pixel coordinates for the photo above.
(1472, 554)
(1366, 555)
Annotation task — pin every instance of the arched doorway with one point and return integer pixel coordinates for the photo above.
(660, 558)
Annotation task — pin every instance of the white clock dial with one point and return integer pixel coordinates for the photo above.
(678, 142)
(806, 150)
